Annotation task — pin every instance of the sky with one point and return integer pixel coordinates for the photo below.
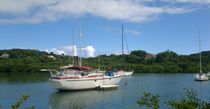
(150, 25)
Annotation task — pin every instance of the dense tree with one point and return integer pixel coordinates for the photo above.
(31, 61)
(167, 56)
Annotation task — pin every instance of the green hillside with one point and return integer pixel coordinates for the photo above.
(31, 61)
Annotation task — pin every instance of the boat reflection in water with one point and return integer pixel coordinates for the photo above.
(83, 99)
(72, 100)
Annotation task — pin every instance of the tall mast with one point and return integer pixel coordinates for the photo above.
(99, 62)
(73, 61)
(80, 59)
(200, 52)
(122, 40)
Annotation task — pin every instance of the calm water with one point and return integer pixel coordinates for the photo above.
(43, 96)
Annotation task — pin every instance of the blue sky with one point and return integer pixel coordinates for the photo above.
(150, 25)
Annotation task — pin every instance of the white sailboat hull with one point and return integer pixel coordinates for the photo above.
(201, 77)
(128, 73)
(111, 81)
(83, 84)
(75, 84)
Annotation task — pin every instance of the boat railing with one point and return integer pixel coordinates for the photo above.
(53, 72)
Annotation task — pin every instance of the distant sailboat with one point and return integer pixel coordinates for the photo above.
(126, 73)
(200, 76)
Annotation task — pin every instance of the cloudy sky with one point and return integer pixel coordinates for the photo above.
(150, 25)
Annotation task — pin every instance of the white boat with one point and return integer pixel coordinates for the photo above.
(208, 74)
(200, 76)
(75, 78)
(128, 73)
(82, 79)
(112, 79)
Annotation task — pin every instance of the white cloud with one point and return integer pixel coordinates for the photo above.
(66, 50)
(72, 50)
(22, 6)
(189, 1)
(37, 11)
(115, 52)
(90, 51)
(56, 51)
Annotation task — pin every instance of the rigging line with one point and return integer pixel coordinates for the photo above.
(126, 43)
(128, 52)
(122, 40)
(101, 59)
(99, 62)
(80, 59)
(200, 61)
(73, 46)
(102, 62)
(82, 40)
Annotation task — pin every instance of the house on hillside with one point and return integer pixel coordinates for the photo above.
(4, 56)
(52, 57)
(149, 56)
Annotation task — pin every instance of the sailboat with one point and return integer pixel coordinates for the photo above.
(126, 73)
(200, 76)
(80, 77)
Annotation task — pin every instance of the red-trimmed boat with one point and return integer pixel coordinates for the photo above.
(84, 77)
